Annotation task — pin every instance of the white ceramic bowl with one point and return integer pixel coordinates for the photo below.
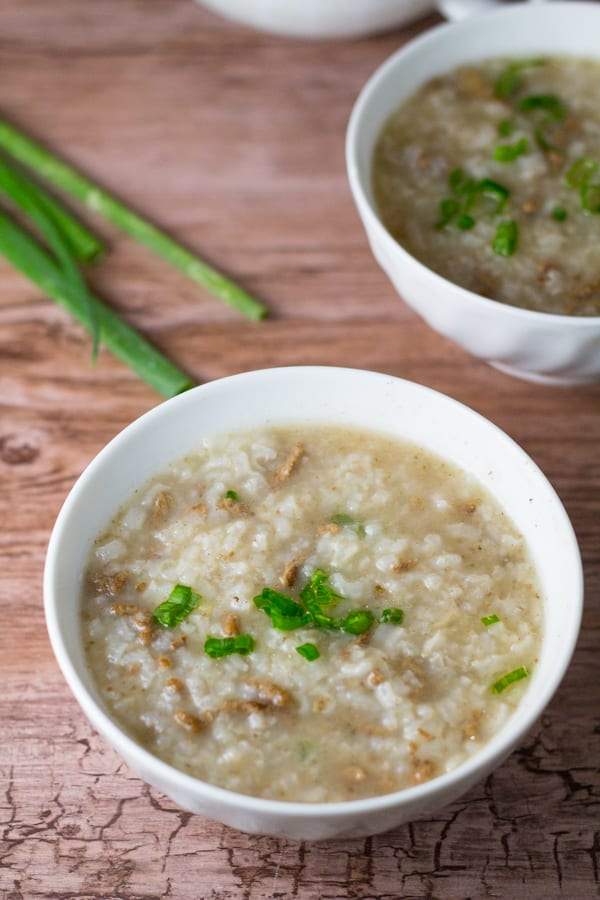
(326, 395)
(321, 18)
(533, 345)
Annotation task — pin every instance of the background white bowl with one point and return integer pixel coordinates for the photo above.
(321, 18)
(538, 346)
(339, 396)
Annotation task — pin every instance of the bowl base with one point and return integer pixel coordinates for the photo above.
(537, 378)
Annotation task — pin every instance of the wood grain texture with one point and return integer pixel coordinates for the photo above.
(234, 141)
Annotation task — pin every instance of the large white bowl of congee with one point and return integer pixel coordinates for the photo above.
(313, 602)
(474, 159)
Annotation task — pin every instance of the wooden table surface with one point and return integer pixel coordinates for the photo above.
(234, 141)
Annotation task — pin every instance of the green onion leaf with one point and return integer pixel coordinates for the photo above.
(179, 604)
(448, 208)
(548, 103)
(285, 613)
(509, 152)
(510, 678)
(506, 127)
(392, 616)
(219, 647)
(308, 651)
(506, 238)
(559, 213)
(581, 172)
(345, 520)
(490, 620)
(232, 495)
(357, 622)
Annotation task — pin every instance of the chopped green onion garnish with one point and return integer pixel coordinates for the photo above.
(542, 141)
(559, 213)
(548, 103)
(179, 604)
(581, 172)
(285, 613)
(232, 495)
(590, 198)
(460, 183)
(509, 152)
(510, 678)
(346, 520)
(490, 620)
(581, 175)
(308, 651)
(506, 127)
(218, 647)
(494, 191)
(506, 239)
(357, 622)
(448, 209)
(465, 222)
(509, 81)
(317, 592)
(392, 616)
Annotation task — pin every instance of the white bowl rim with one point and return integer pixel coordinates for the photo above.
(497, 747)
(413, 48)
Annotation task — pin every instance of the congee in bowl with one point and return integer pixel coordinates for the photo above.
(316, 614)
(490, 176)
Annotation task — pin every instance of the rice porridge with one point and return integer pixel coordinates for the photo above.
(311, 614)
(490, 176)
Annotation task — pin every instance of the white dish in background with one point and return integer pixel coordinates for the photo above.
(533, 345)
(321, 19)
(320, 395)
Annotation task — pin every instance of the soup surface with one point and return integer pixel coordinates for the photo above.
(490, 175)
(346, 615)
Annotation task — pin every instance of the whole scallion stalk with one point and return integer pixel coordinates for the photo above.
(24, 195)
(83, 245)
(68, 179)
(26, 255)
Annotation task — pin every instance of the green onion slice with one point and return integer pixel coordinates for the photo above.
(506, 238)
(358, 621)
(285, 613)
(510, 678)
(510, 81)
(232, 495)
(559, 213)
(509, 152)
(581, 172)
(493, 619)
(506, 127)
(548, 103)
(309, 651)
(394, 616)
(219, 647)
(449, 207)
(347, 521)
(179, 604)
